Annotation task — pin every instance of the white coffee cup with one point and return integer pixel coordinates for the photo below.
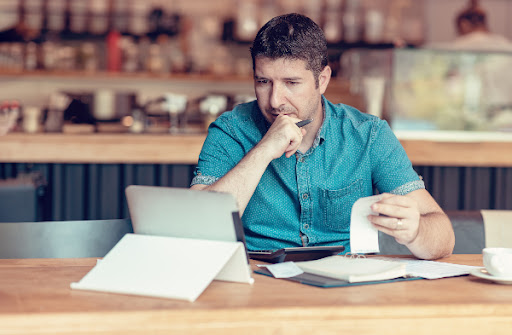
(498, 261)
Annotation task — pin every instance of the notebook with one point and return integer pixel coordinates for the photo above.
(182, 212)
(354, 269)
(327, 282)
(344, 270)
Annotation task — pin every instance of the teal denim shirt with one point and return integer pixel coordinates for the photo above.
(307, 199)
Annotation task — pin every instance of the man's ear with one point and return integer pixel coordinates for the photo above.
(324, 78)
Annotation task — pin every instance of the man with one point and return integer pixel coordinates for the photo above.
(296, 186)
(474, 34)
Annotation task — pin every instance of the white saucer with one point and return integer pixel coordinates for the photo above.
(482, 273)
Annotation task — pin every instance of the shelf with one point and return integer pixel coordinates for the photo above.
(104, 75)
(337, 92)
(184, 149)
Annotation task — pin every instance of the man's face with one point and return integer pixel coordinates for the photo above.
(284, 86)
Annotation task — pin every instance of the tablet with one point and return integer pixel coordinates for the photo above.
(182, 212)
(295, 254)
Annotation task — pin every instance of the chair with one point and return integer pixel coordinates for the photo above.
(18, 203)
(61, 239)
(468, 227)
(20, 196)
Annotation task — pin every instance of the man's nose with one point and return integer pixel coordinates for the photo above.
(277, 96)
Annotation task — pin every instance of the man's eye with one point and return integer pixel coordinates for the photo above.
(262, 81)
(293, 82)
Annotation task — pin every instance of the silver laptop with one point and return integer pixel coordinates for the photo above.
(182, 212)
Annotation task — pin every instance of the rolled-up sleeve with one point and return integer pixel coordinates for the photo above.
(221, 152)
(392, 170)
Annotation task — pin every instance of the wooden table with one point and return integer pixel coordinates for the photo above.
(35, 298)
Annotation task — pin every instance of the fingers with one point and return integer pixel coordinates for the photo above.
(396, 206)
(294, 144)
(283, 137)
(403, 230)
(390, 223)
(398, 216)
(392, 205)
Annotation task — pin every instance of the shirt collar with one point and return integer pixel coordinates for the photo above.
(320, 136)
(260, 121)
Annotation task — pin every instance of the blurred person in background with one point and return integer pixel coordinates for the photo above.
(474, 34)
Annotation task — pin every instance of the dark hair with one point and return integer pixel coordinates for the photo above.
(476, 18)
(474, 14)
(293, 36)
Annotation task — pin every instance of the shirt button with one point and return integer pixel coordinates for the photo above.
(305, 196)
(306, 226)
(302, 159)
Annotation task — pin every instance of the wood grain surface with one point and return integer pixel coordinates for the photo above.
(35, 298)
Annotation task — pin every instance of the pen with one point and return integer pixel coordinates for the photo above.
(303, 122)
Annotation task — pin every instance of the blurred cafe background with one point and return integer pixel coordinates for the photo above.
(96, 95)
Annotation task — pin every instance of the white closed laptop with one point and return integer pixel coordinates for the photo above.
(182, 212)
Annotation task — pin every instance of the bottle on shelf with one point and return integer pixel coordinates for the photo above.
(31, 59)
(333, 27)
(138, 18)
(120, 16)
(155, 61)
(374, 21)
(351, 20)
(55, 16)
(129, 55)
(113, 46)
(78, 17)
(98, 17)
(247, 24)
(33, 15)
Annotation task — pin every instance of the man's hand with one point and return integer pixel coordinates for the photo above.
(283, 137)
(416, 221)
(399, 217)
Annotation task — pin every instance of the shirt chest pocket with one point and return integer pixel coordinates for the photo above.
(336, 206)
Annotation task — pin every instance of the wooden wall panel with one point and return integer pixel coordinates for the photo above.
(96, 191)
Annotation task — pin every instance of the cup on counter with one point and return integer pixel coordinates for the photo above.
(31, 119)
(104, 105)
(211, 107)
(54, 121)
(498, 261)
(174, 104)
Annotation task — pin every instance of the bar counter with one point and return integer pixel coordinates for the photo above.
(432, 149)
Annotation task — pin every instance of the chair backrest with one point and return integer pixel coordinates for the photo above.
(61, 239)
(468, 227)
(18, 203)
